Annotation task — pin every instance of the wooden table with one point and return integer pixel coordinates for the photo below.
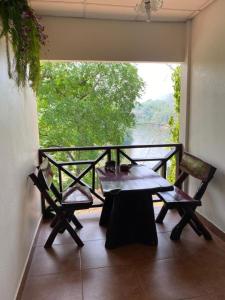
(128, 208)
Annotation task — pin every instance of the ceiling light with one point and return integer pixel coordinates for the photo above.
(148, 6)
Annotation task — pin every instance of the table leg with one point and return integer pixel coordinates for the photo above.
(106, 211)
(131, 220)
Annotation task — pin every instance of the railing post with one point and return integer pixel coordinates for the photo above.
(43, 206)
(178, 158)
(118, 156)
(163, 170)
(60, 180)
(109, 155)
(93, 178)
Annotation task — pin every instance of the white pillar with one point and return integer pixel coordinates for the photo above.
(185, 90)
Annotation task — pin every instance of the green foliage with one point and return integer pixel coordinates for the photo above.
(86, 104)
(154, 111)
(21, 28)
(174, 119)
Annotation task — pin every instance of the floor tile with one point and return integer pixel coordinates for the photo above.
(91, 230)
(171, 279)
(67, 286)
(64, 238)
(95, 255)
(171, 219)
(209, 297)
(211, 265)
(117, 283)
(58, 259)
(89, 214)
(191, 244)
(191, 268)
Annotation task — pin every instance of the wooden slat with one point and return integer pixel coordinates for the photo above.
(60, 149)
(128, 157)
(195, 166)
(149, 159)
(75, 162)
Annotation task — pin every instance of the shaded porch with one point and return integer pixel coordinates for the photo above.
(171, 270)
(192, 268)
(197, 42)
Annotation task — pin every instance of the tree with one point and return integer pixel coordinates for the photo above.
(154, 111)
(174, 119)
(86, 103)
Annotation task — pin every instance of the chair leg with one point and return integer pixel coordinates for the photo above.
(71, 217)
(53, 235)
(76, 222)
(177, 230)
(54, 221)
(49, 213)
(73, 234)
(162, 214)
(68, 217)
(195, 228)
(191, 223)
(63, 224)
(200, 226)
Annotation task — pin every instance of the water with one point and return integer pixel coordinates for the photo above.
(148, 134)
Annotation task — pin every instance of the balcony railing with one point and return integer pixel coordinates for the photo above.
(72, 168)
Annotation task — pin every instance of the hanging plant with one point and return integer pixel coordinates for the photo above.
(22, 29)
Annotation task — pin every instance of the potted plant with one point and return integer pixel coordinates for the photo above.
(22, 29)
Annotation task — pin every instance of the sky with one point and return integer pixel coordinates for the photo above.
(157, 78)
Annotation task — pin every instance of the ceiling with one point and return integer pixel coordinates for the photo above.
(172, 10)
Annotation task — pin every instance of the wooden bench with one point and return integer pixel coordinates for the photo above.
(64, 205)
(184, 203)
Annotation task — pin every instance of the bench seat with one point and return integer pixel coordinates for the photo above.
(78, 197)
(186, 205)
(63, 204)
(177, 198)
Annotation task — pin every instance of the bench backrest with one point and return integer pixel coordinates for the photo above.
(45, 174)
(196, 167)
(43, 179)
(193, 166)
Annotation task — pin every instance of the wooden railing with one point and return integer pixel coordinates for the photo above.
(105, 153)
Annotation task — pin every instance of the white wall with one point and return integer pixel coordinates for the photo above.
(82, 39)
(19, 201)
(207, 104)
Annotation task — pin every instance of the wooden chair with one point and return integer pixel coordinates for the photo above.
(64, 205)
(186, 205)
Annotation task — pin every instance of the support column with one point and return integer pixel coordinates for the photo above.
(185, 91)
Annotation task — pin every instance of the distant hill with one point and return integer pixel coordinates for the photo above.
(166, 97)
(157, 111)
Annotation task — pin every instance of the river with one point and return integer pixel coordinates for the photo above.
(148, 134)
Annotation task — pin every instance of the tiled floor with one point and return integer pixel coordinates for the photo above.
(189, 269)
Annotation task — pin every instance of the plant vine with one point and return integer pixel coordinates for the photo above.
(22, 29)
(174, 122)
